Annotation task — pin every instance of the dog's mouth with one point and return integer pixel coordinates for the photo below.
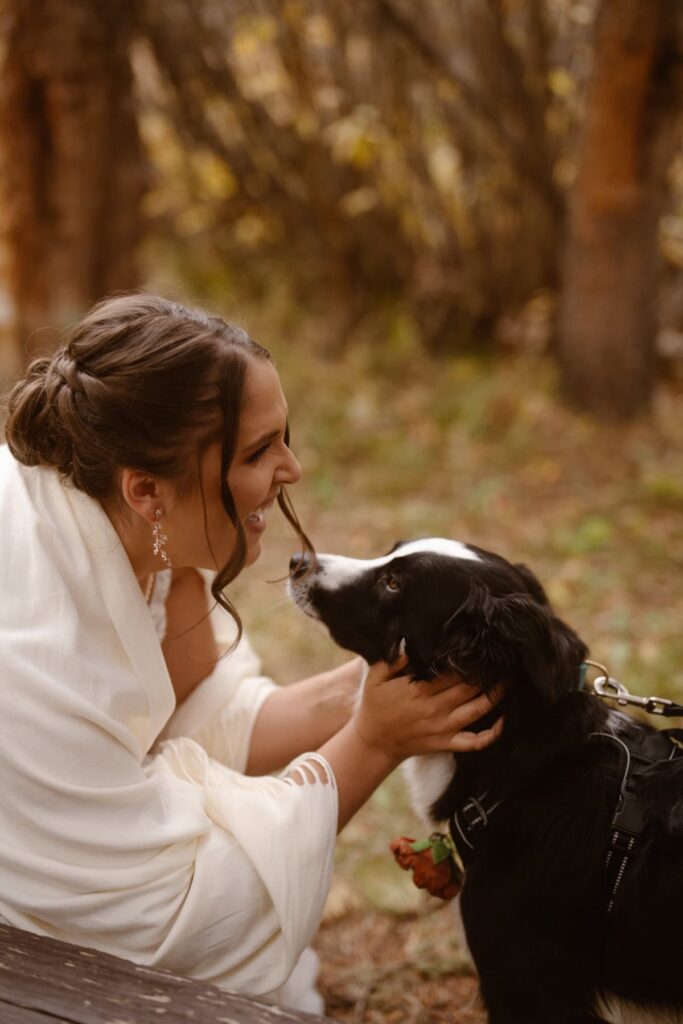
(300, 593)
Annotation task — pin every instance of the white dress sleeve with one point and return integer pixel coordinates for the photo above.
(179, 863)
(269, 880)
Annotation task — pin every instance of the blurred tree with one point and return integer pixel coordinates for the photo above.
(608, 312)
(488, 70)
(416, 161)
(255, 95)
(71, 162)
(363, 155)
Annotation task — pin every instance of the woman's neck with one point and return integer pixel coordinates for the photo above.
(135, 535)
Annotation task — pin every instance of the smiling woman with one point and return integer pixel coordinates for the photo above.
(142, 459)
(198, 532)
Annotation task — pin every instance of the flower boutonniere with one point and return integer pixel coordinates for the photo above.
(433, 862)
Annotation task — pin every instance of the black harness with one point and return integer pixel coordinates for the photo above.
(639, 752)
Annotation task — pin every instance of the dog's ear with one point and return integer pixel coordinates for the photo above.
(531, 583)
(503, 640)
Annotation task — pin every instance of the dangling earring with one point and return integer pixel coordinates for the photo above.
(160, 538)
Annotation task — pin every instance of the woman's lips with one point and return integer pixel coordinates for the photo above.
(256, 520)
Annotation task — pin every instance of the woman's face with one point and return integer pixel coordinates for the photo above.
(262, 464)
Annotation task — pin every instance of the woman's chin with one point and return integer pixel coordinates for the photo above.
(253, 551)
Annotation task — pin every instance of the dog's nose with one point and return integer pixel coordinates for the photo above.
(299, 565)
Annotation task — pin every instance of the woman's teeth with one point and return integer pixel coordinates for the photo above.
(258, 516)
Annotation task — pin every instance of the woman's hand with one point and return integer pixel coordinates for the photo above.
(403, 718)
(396, 719)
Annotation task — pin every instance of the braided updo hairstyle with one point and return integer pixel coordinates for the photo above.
(144, 383)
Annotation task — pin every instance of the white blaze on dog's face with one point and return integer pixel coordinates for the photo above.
(341, 572)
(365, 603)
(450, 606)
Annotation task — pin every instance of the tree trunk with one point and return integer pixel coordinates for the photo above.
(72, 167)
(607, 321)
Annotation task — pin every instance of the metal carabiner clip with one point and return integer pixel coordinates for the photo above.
(611, 689)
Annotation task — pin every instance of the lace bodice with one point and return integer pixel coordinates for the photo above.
(157, 602)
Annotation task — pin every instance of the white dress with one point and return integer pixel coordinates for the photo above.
(161, 852)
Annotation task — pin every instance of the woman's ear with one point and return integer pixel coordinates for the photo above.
(142, 493)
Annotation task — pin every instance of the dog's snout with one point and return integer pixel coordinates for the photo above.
(299, 565)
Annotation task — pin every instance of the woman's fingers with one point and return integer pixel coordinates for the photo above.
(449, 684)
(420, 717)
(459, 705)
(383, 672)
(465, 742)
(463, 715)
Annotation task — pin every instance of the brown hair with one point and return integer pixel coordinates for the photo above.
(145, 383)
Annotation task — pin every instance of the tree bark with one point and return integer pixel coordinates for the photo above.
(607, 320)
(71, 162)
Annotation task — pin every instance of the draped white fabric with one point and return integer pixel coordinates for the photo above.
(169, 857)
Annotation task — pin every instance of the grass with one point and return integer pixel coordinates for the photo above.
(399, 446)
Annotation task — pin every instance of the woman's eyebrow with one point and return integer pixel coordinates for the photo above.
(264, 439)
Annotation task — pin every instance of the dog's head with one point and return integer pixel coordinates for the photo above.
(450, 607)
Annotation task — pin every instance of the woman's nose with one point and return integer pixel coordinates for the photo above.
(290, 472)
(295, 469)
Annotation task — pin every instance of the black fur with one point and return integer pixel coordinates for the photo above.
(533, 901)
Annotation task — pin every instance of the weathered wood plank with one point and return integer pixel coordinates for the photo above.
(43, 980)
(19, 1015)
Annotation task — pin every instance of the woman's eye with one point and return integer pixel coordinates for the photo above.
(391, 583)
(258, 454)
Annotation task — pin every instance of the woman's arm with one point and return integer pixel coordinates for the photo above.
(363, 741)
(303, 716)
(293, 719)
(395, 720)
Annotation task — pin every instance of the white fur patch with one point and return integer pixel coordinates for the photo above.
(338, 570)
(427, 776)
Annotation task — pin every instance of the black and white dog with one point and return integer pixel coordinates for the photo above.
(555, 940)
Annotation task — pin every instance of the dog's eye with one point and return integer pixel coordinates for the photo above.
(391, 583)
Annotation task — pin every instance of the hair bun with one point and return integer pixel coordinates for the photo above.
(37, 430)
(63, 368)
